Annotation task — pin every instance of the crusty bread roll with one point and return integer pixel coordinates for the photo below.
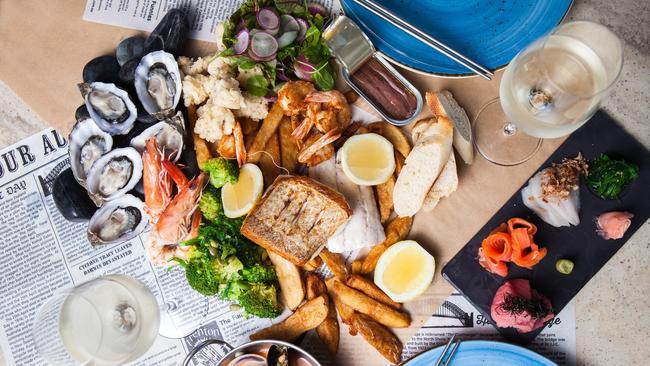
(444, 104)
(431, 149)
(445, 184)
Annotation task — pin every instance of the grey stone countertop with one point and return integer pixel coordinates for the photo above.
(613, 310)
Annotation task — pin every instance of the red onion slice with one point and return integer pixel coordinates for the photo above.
(243, 39)
(303, 29)
(264, 45)
(268, 18)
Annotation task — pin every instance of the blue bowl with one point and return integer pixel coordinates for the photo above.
(490, 32)
(483, 353)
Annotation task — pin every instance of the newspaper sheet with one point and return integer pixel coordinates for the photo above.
(203, 15)
(42, 253)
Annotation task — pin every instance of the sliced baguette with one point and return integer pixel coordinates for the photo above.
(444, 104)
(423, 165)
(445, 184)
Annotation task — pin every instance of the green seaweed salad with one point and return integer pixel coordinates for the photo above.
(607, 176)
(284, 38)
(223, 262)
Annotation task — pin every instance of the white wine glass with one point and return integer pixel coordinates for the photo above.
(549, 90)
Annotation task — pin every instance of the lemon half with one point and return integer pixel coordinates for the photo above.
(404, 271)
(239, 198)
(368, 159)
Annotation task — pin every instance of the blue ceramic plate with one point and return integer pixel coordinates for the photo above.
(483, 353)
(491, 32)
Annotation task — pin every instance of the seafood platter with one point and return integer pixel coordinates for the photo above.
(248, 169)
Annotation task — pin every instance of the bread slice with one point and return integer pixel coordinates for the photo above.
(444, 104)
(445, 184)
(295, 217)
(430, 153)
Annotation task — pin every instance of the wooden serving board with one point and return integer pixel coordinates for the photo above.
(579, 243)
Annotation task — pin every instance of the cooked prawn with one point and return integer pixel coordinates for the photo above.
(322, 141)
(335, 110)
(162, 255)
(292, 96)
(240, 148)
(308, 122)
(156, 181)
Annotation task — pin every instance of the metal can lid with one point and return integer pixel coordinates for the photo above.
(348, 43)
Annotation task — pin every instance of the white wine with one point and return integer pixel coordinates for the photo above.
(551, 93)
(109, 321)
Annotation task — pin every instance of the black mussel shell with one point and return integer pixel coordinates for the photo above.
(170, 34)
(127, 71)
(129, 48)
(125, 140)
(278, 355)
(138, 191)
(103, 69)
(72, 199)
(81, 113)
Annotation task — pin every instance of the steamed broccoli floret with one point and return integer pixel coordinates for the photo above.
(210, 204)
(206, 275)
(260, 300)
(260, 273)
(232, 290)
(221, 171)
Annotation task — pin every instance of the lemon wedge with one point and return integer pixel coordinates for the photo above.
(368, 159)
(239, 198)
(404, 271)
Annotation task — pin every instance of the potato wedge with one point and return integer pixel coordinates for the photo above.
(396, 230)
(347, 133)
(345, 312)
(201, 148)
(395, 135)
(313, 264)
(248, 126)
(356, 266)
(268, 161)
(267, 129)
(379, 337)
(328, 330)
(399, 163)
(384, 193)
(288, 146)
(307, 317)
(369, 288)
(291, 286)
(336, 263)
(363, 303)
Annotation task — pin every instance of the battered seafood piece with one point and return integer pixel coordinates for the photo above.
(295, 217)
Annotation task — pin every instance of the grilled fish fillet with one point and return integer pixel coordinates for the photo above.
(295, 217)
(364, 228)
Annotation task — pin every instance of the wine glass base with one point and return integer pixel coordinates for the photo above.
(498, 140)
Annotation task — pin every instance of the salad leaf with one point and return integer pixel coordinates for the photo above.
(322, 77)
(257, 85)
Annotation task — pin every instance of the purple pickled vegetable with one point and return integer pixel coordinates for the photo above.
(243, 39)
(287, 38)
(303, 29)
(263, 45)
(316, 8)
(268, 18)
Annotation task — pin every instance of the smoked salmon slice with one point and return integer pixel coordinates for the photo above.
(525, 253)
(497, 246)
(517, 222)
(492, 265)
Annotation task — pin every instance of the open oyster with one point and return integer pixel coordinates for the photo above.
(87, 144)
(117, 221)
(169, 134)
(114, 174)
(110, 107)
(158, 83)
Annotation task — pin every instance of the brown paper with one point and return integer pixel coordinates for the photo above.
(45, 45)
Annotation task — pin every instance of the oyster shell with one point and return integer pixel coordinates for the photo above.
(110, 107)
(158, 83)
(114, 174)
(169, 134)
(117, 221)
(87, 144)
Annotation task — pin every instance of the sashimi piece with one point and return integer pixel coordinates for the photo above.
(518, 306)
(613, 225)
(492, 265)
(497, 246)
(555, 212)
(517, 222)
(525, 253)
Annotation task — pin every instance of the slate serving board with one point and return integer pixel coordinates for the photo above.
(579, 243)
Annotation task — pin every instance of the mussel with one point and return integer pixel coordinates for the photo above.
(158, 84)
(117, 221)
(170, 33)
(249, 359)
(101, 69)
(87, 143)
(129, 48)
(114, 174)
(168, 133)
(109, 106)
(278, 355)
(81, 113)
(71, 199)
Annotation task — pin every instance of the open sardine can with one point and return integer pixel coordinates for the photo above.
(370, 75)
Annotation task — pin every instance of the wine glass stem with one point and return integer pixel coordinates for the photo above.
(509, 129)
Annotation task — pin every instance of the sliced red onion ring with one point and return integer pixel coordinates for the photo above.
(303, 68)
(257, 58)
(316, 8)
(268, 18)
(263, 45)
(287, 38)
(303, 29)
(243, 39)
(273, 32)
(289, 23)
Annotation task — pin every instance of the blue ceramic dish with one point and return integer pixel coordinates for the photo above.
(491, 32)
(483, 353)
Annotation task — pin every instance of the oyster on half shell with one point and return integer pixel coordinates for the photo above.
(117, 221)
(169, 134)
(87, 144)
(158, 84)
(114, 174)
(110, 107)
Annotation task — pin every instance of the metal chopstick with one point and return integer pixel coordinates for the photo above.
(444, 352)
(390, 17)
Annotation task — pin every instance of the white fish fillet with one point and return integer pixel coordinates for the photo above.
(557, 213)
(363, 229)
